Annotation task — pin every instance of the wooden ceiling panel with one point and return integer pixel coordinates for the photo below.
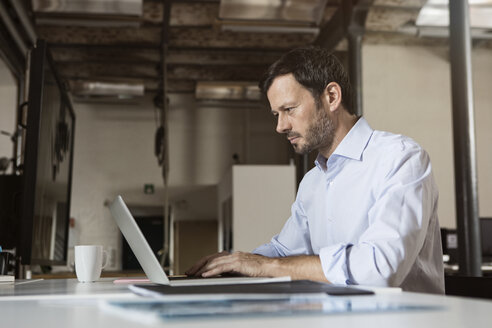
(105, 54)
(100, 35)
(179, 37)
(182, 13)
(152, 12)
(136, 55)
(225, 57)
(181, 86)
(400, 3)
(198, 50)
(88, 70)
(193, 14)
(213, 38)
(216, 73)
(390, 19)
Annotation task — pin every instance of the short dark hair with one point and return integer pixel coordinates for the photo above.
(314, 68)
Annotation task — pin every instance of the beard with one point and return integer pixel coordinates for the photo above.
(319, 135)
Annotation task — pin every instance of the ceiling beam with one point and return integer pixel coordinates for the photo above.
(108, 70)
(335, 30)
(216, 73)
(104, 54)
(178, 37)
(223, 57)
(143, 36)
(147, 56)
(213, 38)
(151, 71)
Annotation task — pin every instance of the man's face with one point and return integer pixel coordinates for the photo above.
(307, 124)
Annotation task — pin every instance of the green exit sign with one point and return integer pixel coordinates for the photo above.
(149, 189)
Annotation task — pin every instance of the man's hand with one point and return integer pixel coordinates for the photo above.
(253, 265)
(198, 267)
(247, 264)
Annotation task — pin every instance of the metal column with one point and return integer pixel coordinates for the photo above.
(465, 167)
(356, 30)
(355, 70)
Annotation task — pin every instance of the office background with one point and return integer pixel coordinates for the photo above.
(406, 89)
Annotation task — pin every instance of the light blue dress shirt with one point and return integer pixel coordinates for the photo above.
(370, 213)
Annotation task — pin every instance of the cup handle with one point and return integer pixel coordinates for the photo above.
(105, 259)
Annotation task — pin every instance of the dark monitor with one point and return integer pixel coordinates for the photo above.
(486, 237)
(47, 168)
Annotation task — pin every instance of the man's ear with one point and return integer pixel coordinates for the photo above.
(333, 96)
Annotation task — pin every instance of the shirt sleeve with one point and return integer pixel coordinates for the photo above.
(293, 239)
(397, 226)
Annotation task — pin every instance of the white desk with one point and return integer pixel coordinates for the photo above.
(67, 303)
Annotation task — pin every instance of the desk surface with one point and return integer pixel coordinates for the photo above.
(67, 303)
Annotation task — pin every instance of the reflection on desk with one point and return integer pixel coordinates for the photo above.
(67, 303)
(155, 310)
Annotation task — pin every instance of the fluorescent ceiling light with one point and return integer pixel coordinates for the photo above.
(227, 90)
(95, 88)
(301, 11)
(271, 16)
(269, 28)
(90, 22)
(103, 7)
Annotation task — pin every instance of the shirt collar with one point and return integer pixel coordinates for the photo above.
(353, 144)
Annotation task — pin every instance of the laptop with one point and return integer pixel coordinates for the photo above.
(149, 263)
(223, 288)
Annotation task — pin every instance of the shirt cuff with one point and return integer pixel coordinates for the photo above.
(267, 250)
(334, 263)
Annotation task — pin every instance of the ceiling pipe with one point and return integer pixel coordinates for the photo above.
(12, 30)
(24, 19)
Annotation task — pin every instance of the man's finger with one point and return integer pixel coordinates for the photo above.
(218, 270)
(191, 271)
(200, 264)
(215, 263)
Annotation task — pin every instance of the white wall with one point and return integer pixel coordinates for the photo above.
(203, 140)
(262, 198)
(113, 154)
(8, 103)
(407, 90)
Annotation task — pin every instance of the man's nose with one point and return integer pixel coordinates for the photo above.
(283, 125)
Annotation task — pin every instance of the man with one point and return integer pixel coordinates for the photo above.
(367, 213)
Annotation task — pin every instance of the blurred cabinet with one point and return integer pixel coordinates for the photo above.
(254, 202)
(192, 240)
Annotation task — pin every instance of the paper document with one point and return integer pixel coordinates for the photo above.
(156, 310)
(270, 290)
(227, 281)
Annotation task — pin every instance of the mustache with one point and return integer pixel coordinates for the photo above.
(293, 135)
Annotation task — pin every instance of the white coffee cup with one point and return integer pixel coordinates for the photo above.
(89, 261)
